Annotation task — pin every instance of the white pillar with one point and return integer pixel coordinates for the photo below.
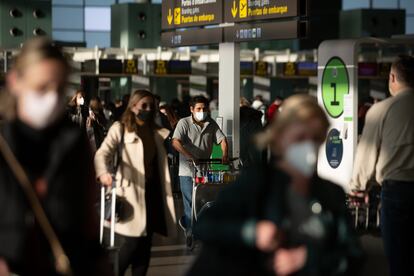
(229, 94)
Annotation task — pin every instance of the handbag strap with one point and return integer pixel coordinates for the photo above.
(118, 155)
(62, 263)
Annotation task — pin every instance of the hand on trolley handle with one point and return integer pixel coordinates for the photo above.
(358, 198)
(225, 160)
(106, 179)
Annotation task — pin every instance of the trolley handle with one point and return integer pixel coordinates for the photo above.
(212, 161)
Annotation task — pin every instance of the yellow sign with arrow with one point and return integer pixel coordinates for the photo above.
(234, 9)
(169, 17)
(177, 16)
(193, 13)
(243, 8)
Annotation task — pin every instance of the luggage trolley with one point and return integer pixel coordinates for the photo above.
(366, 216)
(207, 184)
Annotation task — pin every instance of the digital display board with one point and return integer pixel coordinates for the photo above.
(307, 68)
(171, 67)
(192, 37)
(131, 66)
(265, 31)
(246, 68)
(263, 69)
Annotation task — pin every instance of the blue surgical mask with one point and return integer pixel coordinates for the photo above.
(302, 157)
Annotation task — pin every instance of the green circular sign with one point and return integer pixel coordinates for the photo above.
(335, 84)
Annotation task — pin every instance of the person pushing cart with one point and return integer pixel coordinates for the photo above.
(193, 138)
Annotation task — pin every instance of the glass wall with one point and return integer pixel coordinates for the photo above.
(83, 21)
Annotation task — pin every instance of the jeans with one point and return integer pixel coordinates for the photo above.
(397, 226)
(186, 185)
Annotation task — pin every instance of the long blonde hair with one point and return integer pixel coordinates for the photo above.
(33, 51)
(295, 109)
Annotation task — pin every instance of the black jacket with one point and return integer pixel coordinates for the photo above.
(262, 193)
(61, 156)
(78, 115)
(99, 126)
(250, 125)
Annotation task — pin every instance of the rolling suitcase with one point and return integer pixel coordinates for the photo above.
(112, 250)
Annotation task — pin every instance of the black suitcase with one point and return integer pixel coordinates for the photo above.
(205, 195)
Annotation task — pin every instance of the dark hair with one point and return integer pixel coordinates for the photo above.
(198, 99)
(171, 115)
(157, 97)
(404, 69)
(95, 105)
(129, 117)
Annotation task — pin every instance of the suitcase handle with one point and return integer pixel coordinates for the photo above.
(102, 213)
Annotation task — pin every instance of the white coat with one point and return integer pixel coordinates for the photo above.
(130, 178)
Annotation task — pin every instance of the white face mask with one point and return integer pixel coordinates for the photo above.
(200, 116)
(81, 101)
(39, 108)
(302, 156)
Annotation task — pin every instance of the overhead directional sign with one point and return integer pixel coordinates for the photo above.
(192, 37)
(265, 31)
(250, 10)
(256, 20)
(191, 13)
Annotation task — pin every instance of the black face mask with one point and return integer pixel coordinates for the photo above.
(145, 115)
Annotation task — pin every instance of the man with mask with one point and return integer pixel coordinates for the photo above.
(386, 153)
(193, 138)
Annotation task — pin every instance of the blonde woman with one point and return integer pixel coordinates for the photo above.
(55, 156)
(142, 180)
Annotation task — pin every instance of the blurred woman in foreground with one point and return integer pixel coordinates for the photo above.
(281, 218)
(55, 208)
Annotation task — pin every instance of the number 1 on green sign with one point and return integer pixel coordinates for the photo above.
(334, 86)
(335, 101)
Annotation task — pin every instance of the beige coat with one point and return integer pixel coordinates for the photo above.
(386, 148)
(131, 181)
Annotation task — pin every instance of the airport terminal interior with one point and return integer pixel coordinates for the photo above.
(185, 108)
